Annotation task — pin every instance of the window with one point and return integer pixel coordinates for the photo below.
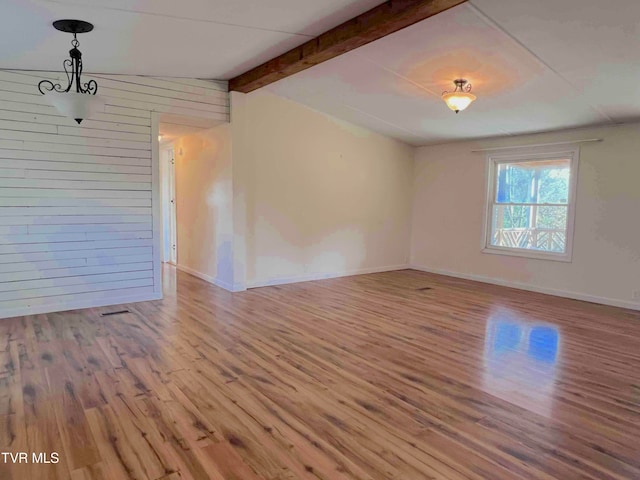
(531, 205)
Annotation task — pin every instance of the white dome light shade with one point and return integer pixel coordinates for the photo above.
(458, 101)
(461, 97)
(76, 105)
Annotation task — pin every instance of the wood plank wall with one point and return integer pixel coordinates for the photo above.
(76, 202)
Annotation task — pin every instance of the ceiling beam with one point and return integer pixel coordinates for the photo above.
(380, 21)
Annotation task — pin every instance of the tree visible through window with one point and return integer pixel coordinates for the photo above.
(530, 205)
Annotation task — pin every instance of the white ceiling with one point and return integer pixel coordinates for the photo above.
(187, 38)
(534, 65)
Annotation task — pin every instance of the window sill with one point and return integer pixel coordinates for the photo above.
(535, 255)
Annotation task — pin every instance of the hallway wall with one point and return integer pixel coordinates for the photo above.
(204, 205)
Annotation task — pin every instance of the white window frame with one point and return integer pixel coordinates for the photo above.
(529, 155)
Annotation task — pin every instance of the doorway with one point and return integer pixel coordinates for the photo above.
(173, 129)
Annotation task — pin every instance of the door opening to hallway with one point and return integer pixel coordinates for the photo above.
(172, 129)
(195, 179)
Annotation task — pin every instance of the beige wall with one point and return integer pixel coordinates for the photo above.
(323, 197)
(448, 213)
(203, 204)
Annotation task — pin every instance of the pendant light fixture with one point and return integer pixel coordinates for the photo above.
(78, 100)
(461, 97)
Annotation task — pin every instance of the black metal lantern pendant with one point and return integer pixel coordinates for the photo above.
(74, 100)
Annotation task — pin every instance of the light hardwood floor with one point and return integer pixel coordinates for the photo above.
(365, 377)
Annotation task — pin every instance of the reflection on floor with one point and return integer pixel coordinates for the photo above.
(367, 377)
(520, 361)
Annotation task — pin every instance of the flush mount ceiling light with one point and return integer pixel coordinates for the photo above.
(78, 100)
(461, 97)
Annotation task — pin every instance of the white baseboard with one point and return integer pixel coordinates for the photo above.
(323, 276)
(207, 278)
(614, 302)
(80, 304)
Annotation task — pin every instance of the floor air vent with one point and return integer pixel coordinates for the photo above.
(119, 312)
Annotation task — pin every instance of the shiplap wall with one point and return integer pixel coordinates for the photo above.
(79, 206)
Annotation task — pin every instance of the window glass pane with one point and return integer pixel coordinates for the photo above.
(510, 225)
(514, 183)
(551, 229)
(540, 181)
(512, 216)
(552, 217)
(553, 183)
